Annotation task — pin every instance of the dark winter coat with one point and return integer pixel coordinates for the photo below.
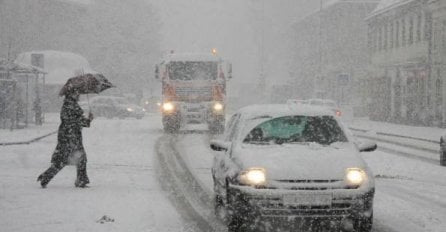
(69, 138)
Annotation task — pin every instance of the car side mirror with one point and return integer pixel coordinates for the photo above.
(157, 72)
(220, 145)
(367, 146)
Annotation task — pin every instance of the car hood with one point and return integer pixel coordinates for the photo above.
(300, 161)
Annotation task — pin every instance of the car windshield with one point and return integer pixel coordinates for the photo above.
(297, 129)
(186, 71)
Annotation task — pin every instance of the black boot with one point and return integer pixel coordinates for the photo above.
(81, 183)
(43, 181)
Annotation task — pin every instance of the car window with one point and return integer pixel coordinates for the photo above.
(297, 129)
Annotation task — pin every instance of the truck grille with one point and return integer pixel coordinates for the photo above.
(191, 92)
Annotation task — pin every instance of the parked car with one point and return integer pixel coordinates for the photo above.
(279, 165)
(109, 107)
(443, 150)
(331, 104)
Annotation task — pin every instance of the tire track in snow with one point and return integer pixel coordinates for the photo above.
(184, 191)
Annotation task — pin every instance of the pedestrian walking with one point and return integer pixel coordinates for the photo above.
(69, 149)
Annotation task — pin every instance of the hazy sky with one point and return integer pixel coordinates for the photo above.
(234, 27)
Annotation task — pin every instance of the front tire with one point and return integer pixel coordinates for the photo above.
(364, 224)
(239, 216)
(171, 123)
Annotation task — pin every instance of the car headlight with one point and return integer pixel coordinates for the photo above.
(354, 177)
(218, 106)
(168, 106)
(130, 109)
(253, 177)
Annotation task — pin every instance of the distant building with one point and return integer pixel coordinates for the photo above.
(438, 9)
(330, 52)
(59, 66)
(402, 84)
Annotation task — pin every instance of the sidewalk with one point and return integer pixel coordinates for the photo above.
(52, 121)
(431, 133)
(50, 125)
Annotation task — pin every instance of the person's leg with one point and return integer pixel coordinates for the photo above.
(82, 178)
(46, 176)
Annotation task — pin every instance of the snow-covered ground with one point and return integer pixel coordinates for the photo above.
(124, 185)
(122, 166)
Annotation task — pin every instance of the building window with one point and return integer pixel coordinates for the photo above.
(427, 21)
(397, 36)
(410, 30)
(419, 27)
(386, 37)
(392, 34)
(403, 32)
(379, 39)
(444, 36)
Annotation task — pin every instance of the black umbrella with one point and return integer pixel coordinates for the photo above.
(85, 84)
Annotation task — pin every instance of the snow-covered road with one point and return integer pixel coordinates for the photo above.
(127, 156)
(124, 185)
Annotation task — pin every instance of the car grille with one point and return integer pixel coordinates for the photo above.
(274, 207)
(308, 184)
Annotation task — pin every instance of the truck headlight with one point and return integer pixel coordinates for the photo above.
(168, 106)
(130, 109)
(354, 177)
(253, 177)
(218, 106)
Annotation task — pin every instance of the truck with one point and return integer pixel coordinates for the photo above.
(193, 90)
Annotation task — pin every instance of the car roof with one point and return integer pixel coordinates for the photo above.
(281, 110)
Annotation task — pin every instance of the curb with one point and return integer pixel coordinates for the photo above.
(29, 141)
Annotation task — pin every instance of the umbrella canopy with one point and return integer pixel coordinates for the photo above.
(85, 84)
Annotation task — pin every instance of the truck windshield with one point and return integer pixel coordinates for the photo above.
(187, 70)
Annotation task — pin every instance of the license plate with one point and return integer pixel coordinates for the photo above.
(307, 199)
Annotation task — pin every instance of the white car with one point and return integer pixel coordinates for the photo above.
(280, 165)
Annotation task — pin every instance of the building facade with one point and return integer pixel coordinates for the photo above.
(330, 52)
(406, 44)
(438, 9)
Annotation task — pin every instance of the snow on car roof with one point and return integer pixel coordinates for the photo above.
(279, 110)
(192, 57)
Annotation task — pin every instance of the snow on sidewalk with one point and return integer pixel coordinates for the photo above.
(431, 133)
(51, 124)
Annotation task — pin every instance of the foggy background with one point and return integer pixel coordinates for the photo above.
(125, 39)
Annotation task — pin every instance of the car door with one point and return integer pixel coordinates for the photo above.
(221, 158)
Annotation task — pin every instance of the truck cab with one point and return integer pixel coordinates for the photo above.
(193, 90)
